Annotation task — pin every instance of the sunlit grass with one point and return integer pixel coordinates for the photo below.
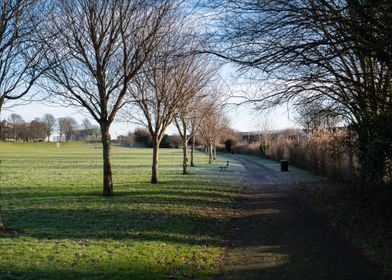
(145, 231)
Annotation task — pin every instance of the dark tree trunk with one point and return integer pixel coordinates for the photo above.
(210, 154)
(2, 227)
(1, 107)
(185, 157)
(374, 138)
(1, 103)
(107, 166)
(192, 151)
(372, 159)
(155, 162)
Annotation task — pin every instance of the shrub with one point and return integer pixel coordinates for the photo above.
(173, 141)
(142, 136)
(326, 153)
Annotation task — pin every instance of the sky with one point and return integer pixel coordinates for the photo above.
(242, 118)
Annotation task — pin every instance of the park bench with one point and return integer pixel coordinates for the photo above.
(224, 167)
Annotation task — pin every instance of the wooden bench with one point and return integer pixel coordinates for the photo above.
(224, 167)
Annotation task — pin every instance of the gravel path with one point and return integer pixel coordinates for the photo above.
(275, 236)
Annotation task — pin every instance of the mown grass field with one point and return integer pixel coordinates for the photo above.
(171, 230)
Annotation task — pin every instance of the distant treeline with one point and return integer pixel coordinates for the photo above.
(15, 128)
(142, 137)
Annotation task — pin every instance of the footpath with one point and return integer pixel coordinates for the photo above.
(276, 236)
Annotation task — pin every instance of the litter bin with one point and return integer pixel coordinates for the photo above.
(284, 165)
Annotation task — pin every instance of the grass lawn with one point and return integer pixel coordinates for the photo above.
(171, 230)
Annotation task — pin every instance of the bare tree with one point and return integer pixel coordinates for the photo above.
(188, 121)
(36, 130)
(86, 124)
(214, 125)
(264, 129)
(16, 122)
(67, 127)
(334, 51)
(168, 83)
(19, 55)
(50, 122)
(316, 115)
(96, 48)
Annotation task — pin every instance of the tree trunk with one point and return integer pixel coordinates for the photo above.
(1, 103)
(1, 107)
(192, 151)
(185, 157)
(210, 154)
(372, 147)
(155, 162)
(2, 227)
(107, 166)
(213, 152)
(351, 164)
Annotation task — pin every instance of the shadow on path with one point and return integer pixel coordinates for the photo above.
(275, 236)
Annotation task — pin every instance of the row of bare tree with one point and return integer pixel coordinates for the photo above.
(15, 128)
(138, 57)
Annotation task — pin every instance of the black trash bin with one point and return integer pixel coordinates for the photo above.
(284, 165)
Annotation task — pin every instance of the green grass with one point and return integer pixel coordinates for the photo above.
(174, 229)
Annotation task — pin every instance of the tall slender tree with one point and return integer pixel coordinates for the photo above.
(214, 125)
(188, 121)
(49, 121)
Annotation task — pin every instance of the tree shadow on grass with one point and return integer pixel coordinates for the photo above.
(175, 217)
(117, 224)
(114, 270)
(187, 198)
(184, 215)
